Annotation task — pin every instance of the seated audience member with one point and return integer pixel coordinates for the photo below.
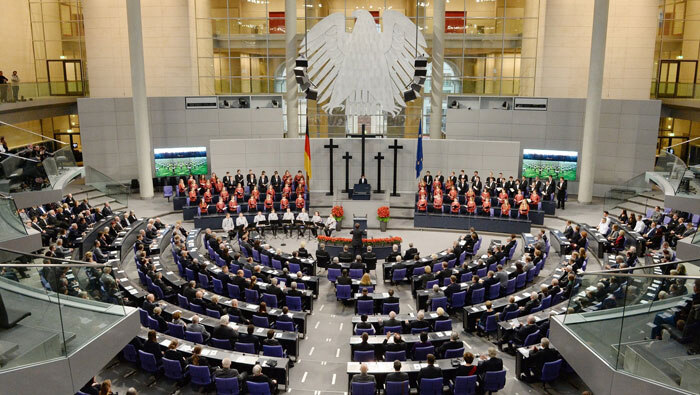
(363, 377)
(151, 346)
(537, 358)
(423, 342)
(397, 375)
(173, 354)
(397, 343)
(419, 323)
(226, 372)
(259, 377)
(490, 363)
(431, 371)
(195, 326)
(453, 344)
(467, 369)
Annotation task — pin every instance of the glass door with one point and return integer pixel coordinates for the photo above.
(65, 77)
(676, 78)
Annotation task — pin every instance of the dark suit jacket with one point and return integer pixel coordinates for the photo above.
(397, 377)
(429, 372)
(357, 237)
(489, 365)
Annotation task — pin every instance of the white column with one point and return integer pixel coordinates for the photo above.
(290, 96)
(437, 78)
(595, 89)
(140, 101)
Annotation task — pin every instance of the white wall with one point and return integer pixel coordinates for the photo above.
(107, 129)
(169, 50)
(16, 33)
(288, 154)
(566, 44)
(627, 138)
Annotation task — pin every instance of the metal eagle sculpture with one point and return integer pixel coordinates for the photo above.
(366, 70)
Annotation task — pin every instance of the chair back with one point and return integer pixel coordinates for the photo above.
(454, 353)
(273, 351)
(392, 329)
(261, 321)
(550, 371)
(389, 307)
(256, 256)
(294, 303)
(493, 267)
(443, 325)
(438, 302)
(360, 331)
(213, 313)
(197, 308)
(356, 274)
(129, 353)
(465, 385)
(257, 388)
(494, 291)
(189, 274)
(218, 286)
(520, 280)
(363, 388)
(478, 296)
(495, 381)
(446, 281)
(395, 355)
(429, 284)
(251, 296)
(458, 299)
(172, 369)
(276, 264)
(365, 307)
(466, 277)
(265, 260)
(248, 348)
(143, 316)
(176, 330)
(148, 362)
(203, 280)
(167, 191)
(437, 267)
(195, 337)
(431, 386)
(511, 314)
(398, 274)
(270, 300)
(333, 274)
(530, 275)
(285, 326)
(234, 291)
(343, 292)
(482, 272)
(421, 353)
(221, 343)
(546, 302)
(226, 386)
(199, 374)
(153, 324)
(294, 267)
(532, 338)
(510, 286)
(363, 356)
(417, 271)
(397, 388)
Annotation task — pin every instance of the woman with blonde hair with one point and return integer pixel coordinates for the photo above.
(366, 280)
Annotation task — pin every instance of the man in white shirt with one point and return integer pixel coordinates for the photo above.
(639, 227)
(317, 223)
(273, 219)
(288, 218)
(257, 220)
(228, 226)
(604, 226)
(241, 223)
(330, 225)
(302, 217)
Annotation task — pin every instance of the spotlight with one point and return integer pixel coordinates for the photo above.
(409, 95)
(311, 94)
(421, 61)
(302, 62)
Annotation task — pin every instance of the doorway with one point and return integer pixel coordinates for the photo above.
(676, 78)
(65, 77)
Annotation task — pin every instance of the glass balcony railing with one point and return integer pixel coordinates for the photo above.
(633, 187)
(12, 226)
(672, 168)
(25, 170)
(51, 308)
(27, 91)
(107, 186)
(642, 321)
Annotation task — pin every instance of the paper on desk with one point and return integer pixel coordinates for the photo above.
(305, 278)
(278, 335)
(165, 343)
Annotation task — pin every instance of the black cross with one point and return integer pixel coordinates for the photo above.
(363, 150)
(347, 158)
(379, 158)
(330, 146)
(395, 147)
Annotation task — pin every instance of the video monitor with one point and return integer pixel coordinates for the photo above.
(181, 161)
(543, 163)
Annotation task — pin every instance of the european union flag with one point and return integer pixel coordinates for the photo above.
(419, 151)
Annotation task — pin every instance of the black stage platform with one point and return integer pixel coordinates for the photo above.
(487, 224)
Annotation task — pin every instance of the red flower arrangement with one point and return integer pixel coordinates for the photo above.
(383, 214)
(337, 212)
(380, 241)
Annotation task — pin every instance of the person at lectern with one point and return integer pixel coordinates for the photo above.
(363, 180)
(357, 234)
(561, 192)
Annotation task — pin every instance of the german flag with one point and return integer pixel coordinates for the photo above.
(307, 155)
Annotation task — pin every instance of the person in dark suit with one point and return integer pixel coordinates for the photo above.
(431, 371)
(249, 337)
(562, 185)
(521, 333)
(345, 256)
(364, 345)
(357, 235)
(363, 377)
(344, 279)
(453, 344)
(173, 354)
(270, 339)
(225, 332)
(453, 288)
(419, 323)
(397, 375)
(537, 359)
(489, 364)
(397, 345)
(323, 259)
(392, 322)
(151, 346)
(428, 179)
(363, 324)
(362, 180)
(162, 323)
(259, 377)
(410, 252)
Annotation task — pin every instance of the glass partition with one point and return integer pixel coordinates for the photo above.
(107, 185)
(641, 320)
(671, 167)
(11, 224)
(59, 164)
(50, 308)
(633, 187)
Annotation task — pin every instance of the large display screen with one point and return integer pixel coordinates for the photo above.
(543, 163)
(181, 161)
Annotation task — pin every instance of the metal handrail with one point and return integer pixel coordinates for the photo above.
(627, 269)
(31, 132)
(63, 261)
(20, 157)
